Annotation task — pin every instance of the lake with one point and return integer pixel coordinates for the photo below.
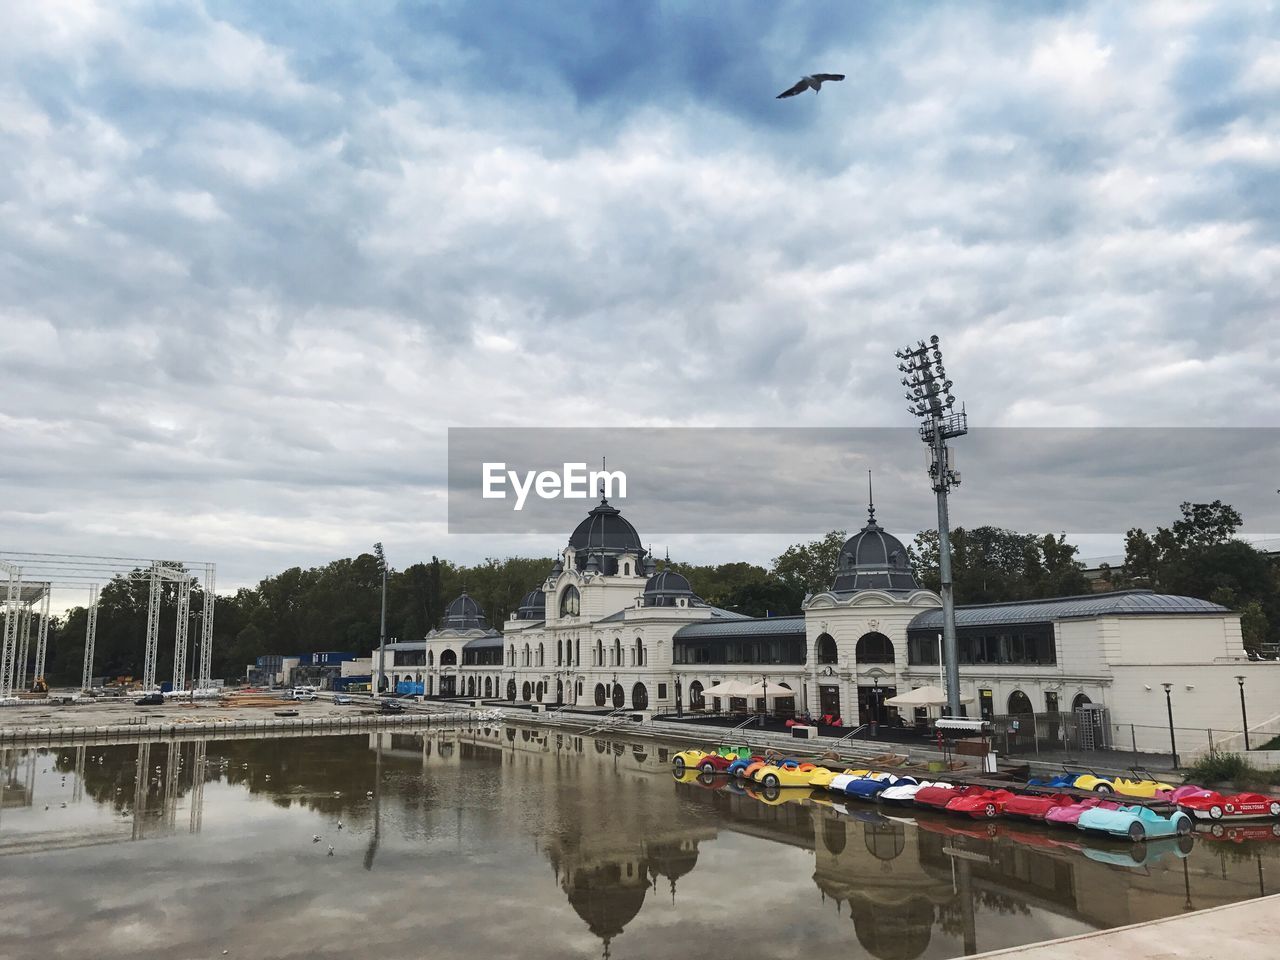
(519, 841)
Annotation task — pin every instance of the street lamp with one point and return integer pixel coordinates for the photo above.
(382, 629)
(931, 400)
(1173, 743)
(1244, 717)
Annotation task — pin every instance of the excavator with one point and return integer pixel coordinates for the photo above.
(40, 686)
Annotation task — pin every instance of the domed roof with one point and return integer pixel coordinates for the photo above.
(533, 606)
(464, 614)
(605, 899)
(663, 589)
(873, 559)
(605, 530)
(601, 538)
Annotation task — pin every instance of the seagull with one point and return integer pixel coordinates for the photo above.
(315, 838)
(339, 824)
(813, 82)
(331, 849)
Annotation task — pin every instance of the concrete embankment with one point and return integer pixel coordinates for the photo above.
(1249, 930)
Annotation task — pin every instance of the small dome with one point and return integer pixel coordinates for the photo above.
(533, 606)
(665, 588)
(873, 560)
(464, 614)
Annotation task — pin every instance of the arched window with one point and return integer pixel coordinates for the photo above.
(431, 658)
(526, 658)
(696, 700)
(488, 687)
(884, 841)
(538, 691)
(617, 651)
(559, 653)
(511, 689)
(626, 569)
(527, 690)
(1079, 701)
(448, 658)
(600, 694)
(833, 835)
(540, 659)
(640, 697)
(577, 652)
(599, 653)
(570, 602)
(619, 698)
(1019, 702)
(639, 652)
(559, 691)
(826, 652)
(874, 648)
(471, 686)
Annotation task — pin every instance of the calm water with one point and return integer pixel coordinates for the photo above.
(510, 841)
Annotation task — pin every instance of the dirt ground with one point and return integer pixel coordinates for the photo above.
(113, 711)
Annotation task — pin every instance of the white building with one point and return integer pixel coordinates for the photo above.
(606, 629)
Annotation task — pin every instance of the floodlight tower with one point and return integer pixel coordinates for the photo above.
(932, 402)
(382, 629)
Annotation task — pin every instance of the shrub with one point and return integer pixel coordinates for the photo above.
(1217, 767)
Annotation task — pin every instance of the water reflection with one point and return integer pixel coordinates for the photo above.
(465, 841)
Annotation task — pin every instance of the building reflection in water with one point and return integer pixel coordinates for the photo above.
(903, 881)
(620, 836)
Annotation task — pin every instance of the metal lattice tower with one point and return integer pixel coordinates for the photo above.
(206, 630)
(180, 635)
(7, 658)
(24, 647)
(42, 637)
(199, 762)
(153, 629)
(90, 637)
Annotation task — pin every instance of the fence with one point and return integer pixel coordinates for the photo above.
(1091, 731)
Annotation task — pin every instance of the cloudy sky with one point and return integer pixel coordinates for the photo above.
(255, 259)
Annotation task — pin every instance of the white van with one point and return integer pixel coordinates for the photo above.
(304, 693)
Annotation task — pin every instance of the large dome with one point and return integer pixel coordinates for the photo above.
(605, 535)
(873, 559)
(464, 614)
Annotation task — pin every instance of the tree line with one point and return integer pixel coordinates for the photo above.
(337, 606)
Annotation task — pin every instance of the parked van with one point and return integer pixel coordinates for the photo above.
(304, 693)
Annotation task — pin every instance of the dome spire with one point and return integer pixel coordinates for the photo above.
(871, 502)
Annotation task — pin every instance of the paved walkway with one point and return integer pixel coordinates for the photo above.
(1249, 930)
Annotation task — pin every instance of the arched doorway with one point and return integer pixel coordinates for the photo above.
(527, 690)
(559, 691)
(1019, 702)
(471, 686)
(537, 691)
(696, 700)
(601, 694)
(511, 689)
(619, 698)
(1081, 700)
(488, 687)
(640, 697)
(825, 651)
(874, 648)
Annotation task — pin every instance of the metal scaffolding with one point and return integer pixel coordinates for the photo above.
(46, 571)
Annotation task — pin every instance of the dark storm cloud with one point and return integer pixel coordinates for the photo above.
(256, 259)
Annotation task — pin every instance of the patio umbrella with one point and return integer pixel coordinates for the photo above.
(731, 688)
(923, 697)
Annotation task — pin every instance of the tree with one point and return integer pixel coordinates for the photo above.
(810, 567)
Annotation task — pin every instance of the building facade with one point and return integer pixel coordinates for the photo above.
(606, 629)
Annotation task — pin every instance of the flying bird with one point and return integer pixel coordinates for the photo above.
(813, 83)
